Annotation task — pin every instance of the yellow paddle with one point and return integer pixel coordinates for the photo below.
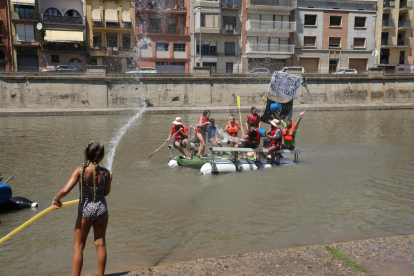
(241, 123)
(5, 238)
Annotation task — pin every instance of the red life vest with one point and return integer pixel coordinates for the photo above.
(289, 134)
(255, 119)
(256, 140)
(275, 142)
(232, 130)
(179, 135)
(202, 129)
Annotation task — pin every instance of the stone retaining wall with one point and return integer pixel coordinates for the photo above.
(18, 90)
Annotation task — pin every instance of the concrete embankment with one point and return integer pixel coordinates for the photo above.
(381, 256)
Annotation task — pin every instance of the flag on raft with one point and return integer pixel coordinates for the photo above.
(284, 110)
(284, 84)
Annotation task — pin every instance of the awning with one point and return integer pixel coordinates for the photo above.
(63, 36)
(23, 2)
(96, 15)
(126, 17)
(111, 16)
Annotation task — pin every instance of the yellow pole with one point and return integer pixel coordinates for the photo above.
(5, 238)
(241, 123)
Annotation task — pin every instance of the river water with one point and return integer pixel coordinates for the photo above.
(354, 180)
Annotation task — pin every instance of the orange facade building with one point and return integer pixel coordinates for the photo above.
(5, 45)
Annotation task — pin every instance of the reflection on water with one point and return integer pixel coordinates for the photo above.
(354, 180)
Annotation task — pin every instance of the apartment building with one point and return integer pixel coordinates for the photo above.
(393, 37)
(163, 33)
(110, 34)
(64, 35)
(24, 33)
(217, 31)
(335, 35)
(268, 33)
(5, 42)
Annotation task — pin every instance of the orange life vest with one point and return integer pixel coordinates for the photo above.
(232, 130)
(289, 134)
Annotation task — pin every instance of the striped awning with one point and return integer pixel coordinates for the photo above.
(96, 15)
(111, 16)
(23, 2)
(126, 17)
(63, 36)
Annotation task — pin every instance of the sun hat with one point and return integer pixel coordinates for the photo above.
(177, 121)
(274, 122)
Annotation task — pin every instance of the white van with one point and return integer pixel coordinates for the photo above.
(296, 68)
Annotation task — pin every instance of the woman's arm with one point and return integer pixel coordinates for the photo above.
(73, 180)
(108, 180)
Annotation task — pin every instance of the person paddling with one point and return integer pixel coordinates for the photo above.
(94, 186)
(201, 130)
(181, 138)
(232, 129)
(254, 117)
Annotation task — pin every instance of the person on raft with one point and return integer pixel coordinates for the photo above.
(201, 130)
(181, 138)
(212, 134)
(94, 186)
(251, 139)
(289, 132)
(254, 117)
(275, 136)
(232, 129)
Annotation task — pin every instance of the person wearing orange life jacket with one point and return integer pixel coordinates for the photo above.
(180, 139)
(251, 139)
(289, 132)
(232, 129)
(254, 117)
(275, 136)
(201, 131)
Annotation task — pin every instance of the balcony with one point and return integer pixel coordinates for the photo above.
(64, 47)
(269, 27)
(160, 6)
(404, 24)
(234, 31)
(28, 43)
(101, 49)
(388, 23)
(230, 4)
(394, 42)
(388, 5)
(63, 20)
(166, 31)
(115, 26)
(35, 16)
(267, 49)
(406, 5)
(207, 3)
(207, 30)
(272, 4)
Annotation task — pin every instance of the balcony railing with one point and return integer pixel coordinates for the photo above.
(230, 4)
(64, 47)
(23, 16)
(24, 42)
(395, 42)
(270, 25)
(235, 31)
(388, 23)
(63, 20)
(270, 48)
(112, 26)
(166, 31)
(160, 5)
(100, 46)
(404, 24)
(406, 4)
(275, 3)
(389, 4)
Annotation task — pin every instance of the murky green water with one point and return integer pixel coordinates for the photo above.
(354, 180)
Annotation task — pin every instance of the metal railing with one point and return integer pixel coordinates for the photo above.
(22, 16)
(235, 31)
(97, 24)
(270, 25)
(170, 31)
(406, 4)
(404, 24)
(71, 47)
(230, 4)
(63, 20)
(103, 46)
(276, 3)
(271, 48)
(388, 23)
(389, 4)
(395, 42)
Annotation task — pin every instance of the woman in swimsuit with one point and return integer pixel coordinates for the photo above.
(94, 185)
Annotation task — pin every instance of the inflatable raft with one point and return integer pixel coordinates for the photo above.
(10, 203)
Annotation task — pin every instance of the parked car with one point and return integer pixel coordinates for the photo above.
(295, 68)
(259, 71)
(144, 70)
(62, 68)
(346, 71)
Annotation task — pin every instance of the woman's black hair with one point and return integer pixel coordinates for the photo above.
(205, 112)
(253, 108)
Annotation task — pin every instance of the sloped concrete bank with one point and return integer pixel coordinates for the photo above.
(382, 256)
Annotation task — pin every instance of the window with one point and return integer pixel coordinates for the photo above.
(211, 21)
(126, 41)
(93, 61)
(309, 41)
(334, 42)
(161, 46)
(179, 47)
(111, 40)
(55, 58)
(53, 12)
(360, 22)
(230, 48)
(72, 13)
(229, 67)
(202, 20)
(97, 39)
(112, 24)
(310, 19)
(130, 63)
(154, 24)
(207, 48)
(335, 21)
(172, 26)
(229, 23)
(24, 11)
(359, 42)
(25, 32)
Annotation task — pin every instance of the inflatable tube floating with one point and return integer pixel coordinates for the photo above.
(9, 203)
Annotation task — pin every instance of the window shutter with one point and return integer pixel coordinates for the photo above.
(20, 32)
(209, 21)
(30, 36)
(302, 41)
(216, 21)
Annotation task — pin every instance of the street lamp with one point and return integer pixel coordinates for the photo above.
(201, 61)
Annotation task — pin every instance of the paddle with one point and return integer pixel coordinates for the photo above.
(163, 144)
(241, 123)
(8, 179)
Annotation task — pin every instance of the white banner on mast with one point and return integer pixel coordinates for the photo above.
(284, 84)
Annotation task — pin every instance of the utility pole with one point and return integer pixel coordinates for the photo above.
(201, 61)
(375, 41)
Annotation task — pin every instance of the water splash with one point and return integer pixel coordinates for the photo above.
(120, 133)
